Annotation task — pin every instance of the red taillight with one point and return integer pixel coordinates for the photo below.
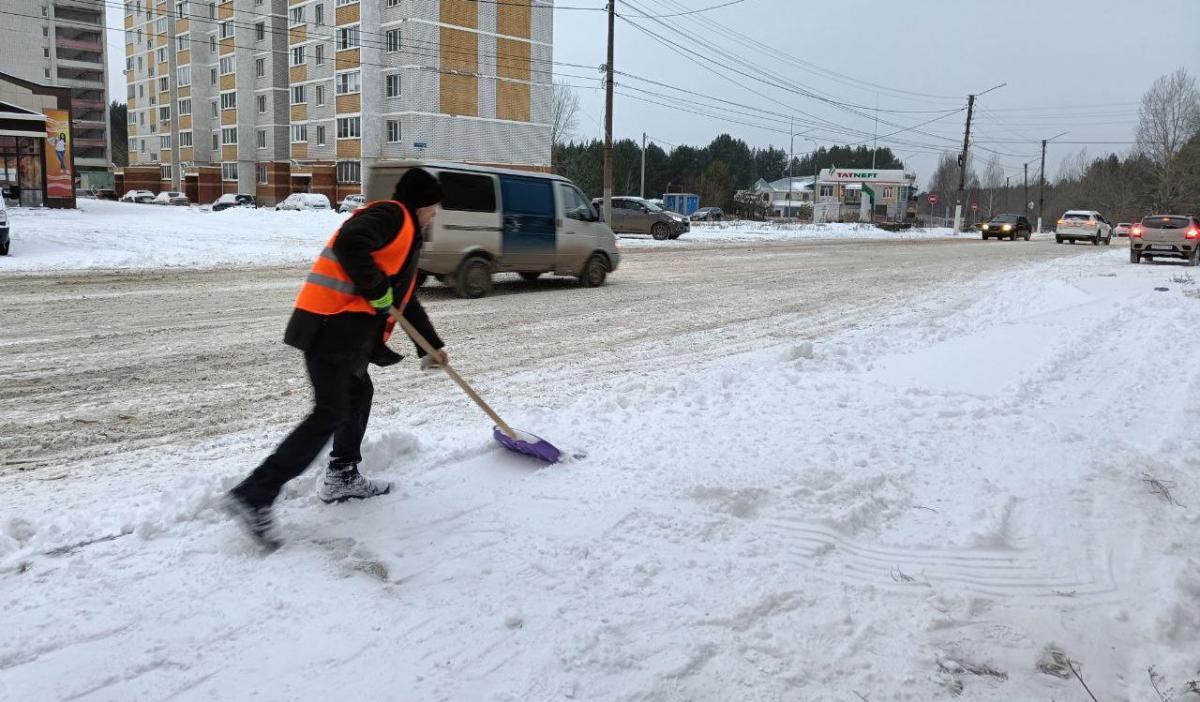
(1136, 232)
(1193, 233)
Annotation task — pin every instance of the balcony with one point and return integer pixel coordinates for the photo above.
(79, 63)
(82, 105)
(78, 44)
(89, 143)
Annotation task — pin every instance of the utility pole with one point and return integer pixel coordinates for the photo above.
(1007, 203)
(608, 114)
(1042, 182)
(791, 157)
(1025, 201)
(875, 139)
(642, 193)
(962, 165)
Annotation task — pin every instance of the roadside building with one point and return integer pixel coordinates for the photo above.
(865, 195)
(36, 144)
(271, 97)
(61, 43)
(782, 198)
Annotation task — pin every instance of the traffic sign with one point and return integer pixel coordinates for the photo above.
(932, 199)
(974, 205)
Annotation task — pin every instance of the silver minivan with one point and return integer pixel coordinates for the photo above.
(494, 220)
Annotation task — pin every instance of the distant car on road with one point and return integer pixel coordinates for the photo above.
(171, 197)
(228, 200)
(1083, 224)
(633, 215)
(708, 214)
(1165, 236)
(304, 201)
(140, 196)
(1122, 229)
(1010, 226)
(107, 194)
(4, 240)
(351, 203)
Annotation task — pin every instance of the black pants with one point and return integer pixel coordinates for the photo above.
(341, 408)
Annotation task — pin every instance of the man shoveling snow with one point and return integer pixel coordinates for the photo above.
(341, 323)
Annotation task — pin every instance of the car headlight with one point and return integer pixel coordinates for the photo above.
(1006, 227)
(985, 226)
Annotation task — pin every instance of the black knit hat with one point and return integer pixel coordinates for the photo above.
(417, 188)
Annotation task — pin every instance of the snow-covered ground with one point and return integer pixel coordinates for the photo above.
(746, 231)
(118, 235)
(955, 496)
(112, 235)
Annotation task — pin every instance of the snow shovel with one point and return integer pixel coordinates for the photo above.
(509, 438)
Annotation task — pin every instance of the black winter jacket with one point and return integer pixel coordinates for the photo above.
(356, 337)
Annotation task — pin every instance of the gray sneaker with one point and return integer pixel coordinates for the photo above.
(343, 483)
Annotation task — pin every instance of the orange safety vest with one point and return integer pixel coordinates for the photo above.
(328, 290)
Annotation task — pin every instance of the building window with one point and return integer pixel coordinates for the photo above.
(319, 15)
(132, 119)
(183, 75)
(320, 135)
(139, 58)
(392, 83)
(181, 9)
(346, 83)
(226, 29)
(181, 42)
(164, 141)
(164, 84)
(226, 64)
(298, 94)
(229, 135)
(296, 15)
(160, 26)
(216, 141)
(349, 171)
(299, 133)
(319, 54)
(345, 2)
(128, 64)
(826, 191)
(185, 138)
(139, 35)
(261, 170)
(228, 100)
(297, 55)
(260, 31)
(132, 92)
(393, 131)
(215, 112)
(261, 139)
(212, 10)
(229, 171)
(141, 119)
(212, 73)
(349, 127)
(142, 145)
(260, 68)
(320, 90)
(347, 38)
(212, 43)
(393, 41)
(141, 91)
(164, 113)
(262, 104)
(185, 106)
(889, 192)
(162, 54)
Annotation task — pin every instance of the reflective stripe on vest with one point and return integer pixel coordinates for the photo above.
(328, 290)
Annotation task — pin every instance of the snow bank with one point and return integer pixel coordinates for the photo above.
(952, 498)
(111, 235)
(739, 231)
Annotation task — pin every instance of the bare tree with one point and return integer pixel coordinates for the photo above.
(993, 180)
(1168, 117)
(564, 115)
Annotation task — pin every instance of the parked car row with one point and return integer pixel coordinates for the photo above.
(295, 201)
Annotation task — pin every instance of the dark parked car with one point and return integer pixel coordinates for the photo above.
(233, 200)
(708, 214)
(1007, 226)
(107, 194)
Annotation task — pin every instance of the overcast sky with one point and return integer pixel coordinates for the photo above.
(1070, 65)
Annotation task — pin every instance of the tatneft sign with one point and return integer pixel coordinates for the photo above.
(854, 175)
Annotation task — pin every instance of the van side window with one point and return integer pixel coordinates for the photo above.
(574, 205)
(468, 192)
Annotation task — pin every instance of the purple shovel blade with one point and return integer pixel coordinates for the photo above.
(527, 444)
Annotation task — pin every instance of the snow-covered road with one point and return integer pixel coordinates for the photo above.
(814, 471)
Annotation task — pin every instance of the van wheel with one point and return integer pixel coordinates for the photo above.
(4, 249)
(474, 278)
(1027, 234)
(1058, 240)
(595, 271)
(660, 232)
(530, 277)
(422, 278)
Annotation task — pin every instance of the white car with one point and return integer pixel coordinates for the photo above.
(170, 197)
(1083, 224)
(304, 201)
(351, 203)
(142, 196)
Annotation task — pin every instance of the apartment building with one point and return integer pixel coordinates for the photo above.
(272, 97)
(61, 43)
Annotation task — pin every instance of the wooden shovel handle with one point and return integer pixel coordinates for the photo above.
(428, 348)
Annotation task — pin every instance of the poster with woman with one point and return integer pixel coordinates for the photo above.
(58, 154)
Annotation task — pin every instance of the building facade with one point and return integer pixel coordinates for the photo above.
(282, 96)
(36, 164)
(783, 198)
(61, 43)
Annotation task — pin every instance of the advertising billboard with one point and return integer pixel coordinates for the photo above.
(59, 182)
